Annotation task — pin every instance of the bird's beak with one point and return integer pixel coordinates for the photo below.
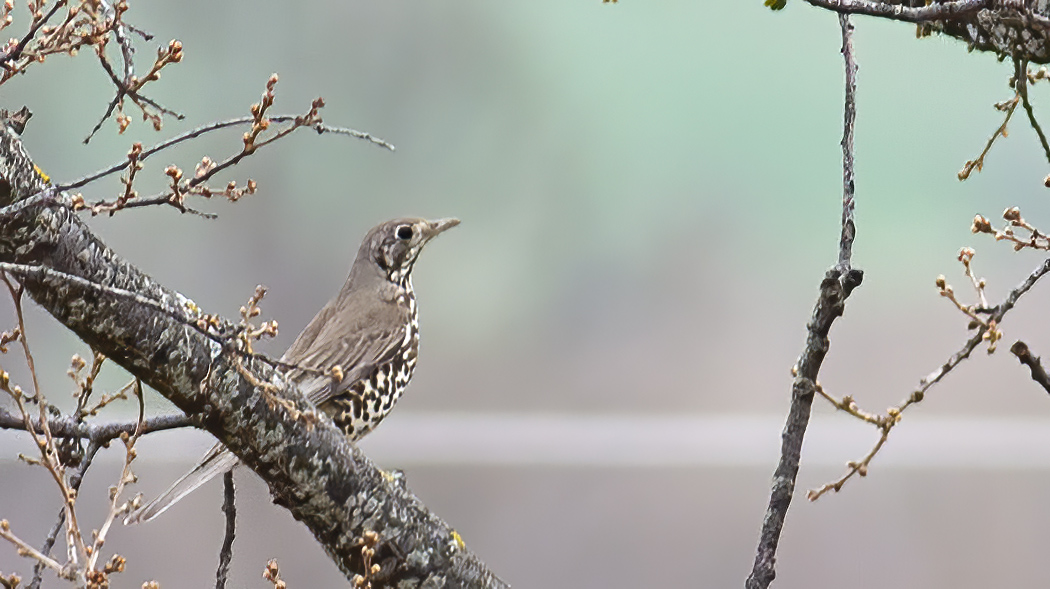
(437, 226)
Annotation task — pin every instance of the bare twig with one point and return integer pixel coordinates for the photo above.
(126, 477)
(989, 327)
(130, 86)
(203, 129)
(848, 405)
(101, 433)
(44, 442)
(16, 53)
(1021, 81)
(893, 415)
(207, 169)
(229, 508)
(836, 287)
(1036, 238)
(854, 468)
(1024, 355)
(64, 572)
(189, 316)
(74, 483)
(1007, 106)
(16, 298)
(849, 227)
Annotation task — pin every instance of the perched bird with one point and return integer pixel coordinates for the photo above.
(370, 331)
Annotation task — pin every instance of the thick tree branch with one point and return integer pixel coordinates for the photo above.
(1008, 28)
(310, 467)
(900, 11)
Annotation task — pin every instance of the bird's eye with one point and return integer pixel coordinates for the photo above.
(404, 232)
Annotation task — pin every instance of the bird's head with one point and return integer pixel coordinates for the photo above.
(395, 245)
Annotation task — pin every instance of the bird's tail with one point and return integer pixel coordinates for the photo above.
(217, 461)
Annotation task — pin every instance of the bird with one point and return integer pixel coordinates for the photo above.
(355, 357)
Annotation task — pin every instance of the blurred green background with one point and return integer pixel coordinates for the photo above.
(650, 196)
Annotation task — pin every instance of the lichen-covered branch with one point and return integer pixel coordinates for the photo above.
(1008, 28)
(905, 11)
(309, 466)
(100, 433)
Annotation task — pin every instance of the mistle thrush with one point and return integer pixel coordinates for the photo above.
(370, 330)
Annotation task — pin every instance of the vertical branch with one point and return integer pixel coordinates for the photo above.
(849, 229)
(1021, 82)
(16, 298)
(74, 483)
(837, 285)
(226, 553)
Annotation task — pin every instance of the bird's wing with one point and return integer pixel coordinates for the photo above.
(308, 336)
(357, 356)
(356, 341)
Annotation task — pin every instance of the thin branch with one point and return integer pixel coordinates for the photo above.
(127, 50)
(40, 272)
(847, 405)
(942, 11)
(322, 129)
(1020, 349)
(855, 468)
(1021, 83)
(252, 140)
(836, 287)
(1007, 106)
(226, 552)
(27, 550)
(1011, 299)
(893, 415)
(16, 298)
(45, 443)
(100, 433)
(203, 129)
(74, 483)
(16, 53)
(849, 227)
(115, 508)
(129, 86)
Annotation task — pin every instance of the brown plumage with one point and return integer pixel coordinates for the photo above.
(369, 330)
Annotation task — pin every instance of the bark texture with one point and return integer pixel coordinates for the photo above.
(831, 303)
(1018, 29)
(1014, 29)
(310, 467)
